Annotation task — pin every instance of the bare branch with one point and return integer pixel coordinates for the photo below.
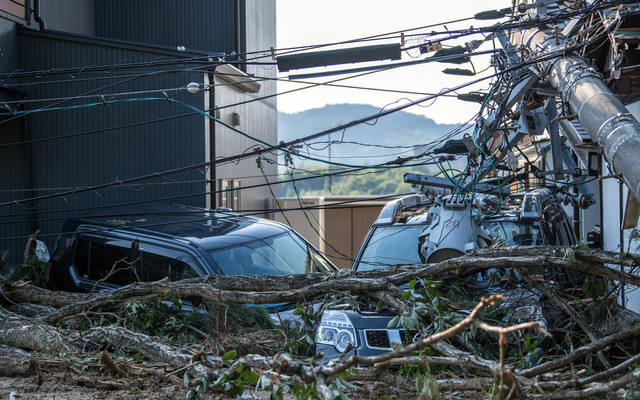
(581, 352)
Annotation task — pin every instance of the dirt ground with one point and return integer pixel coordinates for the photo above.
(63, 386)
(58, 385)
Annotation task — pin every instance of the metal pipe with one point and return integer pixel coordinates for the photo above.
(36, 15)
(239, 47)
(213, 195)
(607, 121)
(623, 293)
(554, 137)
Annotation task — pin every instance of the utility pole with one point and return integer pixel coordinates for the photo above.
(605, 119)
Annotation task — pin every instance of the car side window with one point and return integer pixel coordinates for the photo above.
(100, 261)
(157, 263)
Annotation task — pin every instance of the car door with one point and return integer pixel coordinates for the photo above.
(102, 262)
(157, 261)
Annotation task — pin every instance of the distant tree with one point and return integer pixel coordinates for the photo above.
(374, 181)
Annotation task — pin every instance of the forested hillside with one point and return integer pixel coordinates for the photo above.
(398, 134)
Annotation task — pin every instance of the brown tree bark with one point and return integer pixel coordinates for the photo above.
(30, 314)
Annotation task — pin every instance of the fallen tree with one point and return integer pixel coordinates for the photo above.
(48, 324)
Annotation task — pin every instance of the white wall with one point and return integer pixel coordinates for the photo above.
(259, 117)
(259, 120)
(612, 222)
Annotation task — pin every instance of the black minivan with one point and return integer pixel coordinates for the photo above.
(178, 242)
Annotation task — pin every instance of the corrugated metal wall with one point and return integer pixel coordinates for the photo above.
(58, 151)
(15, 169)
(73, 16)
(202, 25)
(8, 45)
(79, 148)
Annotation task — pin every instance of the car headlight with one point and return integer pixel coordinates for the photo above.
(336, 330)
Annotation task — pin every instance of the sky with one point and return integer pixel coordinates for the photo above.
(306, 22)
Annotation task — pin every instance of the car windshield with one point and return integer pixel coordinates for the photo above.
(391, 245)
(514, 233)
(276, 255)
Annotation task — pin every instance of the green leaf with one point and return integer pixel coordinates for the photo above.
(409, 322)
(221, 379)
(249, 377)
(228, 357)
(191, 394)
(412, 284)
(405, 296)
(236, 390)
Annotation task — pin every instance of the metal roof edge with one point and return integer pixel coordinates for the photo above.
(107, 42)
(230, 74)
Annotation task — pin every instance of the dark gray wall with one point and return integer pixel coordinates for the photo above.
(80, 148)
(73, 16)
(8, 45)
(202, 25)
(66, 151)
(14, 170)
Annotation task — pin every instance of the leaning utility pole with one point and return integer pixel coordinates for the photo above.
(601, 114)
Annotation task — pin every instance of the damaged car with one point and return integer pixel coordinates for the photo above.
(416, 229)
(104, 253)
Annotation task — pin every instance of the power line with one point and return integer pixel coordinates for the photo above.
(272, 148)
(121, 205)
(123, 65)
(269, 148)
(162, 61)
(166, 91)
(345, 172)
(207, 60)
(334, 205)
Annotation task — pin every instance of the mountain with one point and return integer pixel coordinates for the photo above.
(372, 140)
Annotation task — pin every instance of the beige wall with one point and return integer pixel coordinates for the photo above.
(332, 229)
(13, 7)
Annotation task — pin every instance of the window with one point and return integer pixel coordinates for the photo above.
(157, 263)
(391, 245)
(98, 260)
(510, 233)
(229, 194)
(277, 255)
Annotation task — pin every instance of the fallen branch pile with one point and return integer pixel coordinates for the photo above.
(40, 328)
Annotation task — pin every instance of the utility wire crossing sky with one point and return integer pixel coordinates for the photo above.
(306, 23)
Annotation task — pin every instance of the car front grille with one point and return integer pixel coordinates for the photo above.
(378, 339)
